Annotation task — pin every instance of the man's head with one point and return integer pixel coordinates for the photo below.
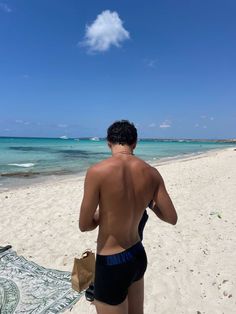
(123, 133)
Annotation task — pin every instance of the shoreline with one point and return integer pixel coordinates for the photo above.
(22, 181)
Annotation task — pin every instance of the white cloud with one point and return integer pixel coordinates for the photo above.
(105, 31)
(204, 127)
(208, 118)
(196, 125)
(4, 7)
(22, 122)
(61, 125)
(152, 125)
(165, 124)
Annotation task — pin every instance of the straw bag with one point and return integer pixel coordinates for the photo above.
(83, 271)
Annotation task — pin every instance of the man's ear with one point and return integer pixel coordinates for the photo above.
(134, 145)
(109, 144)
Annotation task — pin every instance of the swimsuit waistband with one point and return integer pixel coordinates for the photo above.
(120, 258)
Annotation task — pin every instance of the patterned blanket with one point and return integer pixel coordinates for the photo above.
(26, 287)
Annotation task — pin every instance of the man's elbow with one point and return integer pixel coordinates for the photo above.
(82, 227)
(174, 220)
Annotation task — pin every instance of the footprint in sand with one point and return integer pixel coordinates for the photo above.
(225, 287)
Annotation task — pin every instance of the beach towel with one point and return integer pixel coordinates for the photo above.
(26, 287)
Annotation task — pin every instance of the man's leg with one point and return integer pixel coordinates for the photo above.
(136, 297)
(103, 308)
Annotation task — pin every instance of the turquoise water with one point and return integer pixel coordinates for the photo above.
(45, 156)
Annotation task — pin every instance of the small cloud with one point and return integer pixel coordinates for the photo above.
(204, 127)
(7, 130)
(61, 125)
(25, 76)
(4, 7)
(105, 31)
(208, 118)
(165, 124)
(151, 63)
(196, 125)
(22, 122)
(152, 125)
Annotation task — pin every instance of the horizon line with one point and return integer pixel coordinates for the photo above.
(141, 138)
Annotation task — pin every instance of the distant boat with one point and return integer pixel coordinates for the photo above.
(95, 139)
(64, 137)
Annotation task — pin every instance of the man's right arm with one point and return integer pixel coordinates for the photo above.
(162, 205)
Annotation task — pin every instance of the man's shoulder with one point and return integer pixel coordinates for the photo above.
(99, 166)
(151, 169)
(142, 163)
(156, 174)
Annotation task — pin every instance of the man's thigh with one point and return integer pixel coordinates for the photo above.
(136, 297)
(103, 308)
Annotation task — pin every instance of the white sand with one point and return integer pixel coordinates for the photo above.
(191, 265)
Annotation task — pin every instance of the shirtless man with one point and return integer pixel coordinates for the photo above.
(122, 186)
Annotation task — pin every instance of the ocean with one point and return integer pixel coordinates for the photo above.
(27, 158)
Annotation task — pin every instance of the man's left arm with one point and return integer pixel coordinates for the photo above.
(88, 219)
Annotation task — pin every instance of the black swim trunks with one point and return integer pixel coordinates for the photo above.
(115, 273)
(142, 224)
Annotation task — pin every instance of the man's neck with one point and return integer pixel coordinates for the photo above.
(121, 149)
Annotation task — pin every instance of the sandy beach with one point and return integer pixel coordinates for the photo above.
(191, 266)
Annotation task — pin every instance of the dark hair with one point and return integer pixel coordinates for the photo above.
(122, 132)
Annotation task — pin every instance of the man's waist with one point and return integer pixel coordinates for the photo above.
(113, 246)
(121, 257)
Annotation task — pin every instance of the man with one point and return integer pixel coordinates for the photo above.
(122, 186)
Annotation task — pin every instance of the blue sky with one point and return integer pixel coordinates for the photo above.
(71, 67)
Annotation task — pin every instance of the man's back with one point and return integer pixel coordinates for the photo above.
(127, 185)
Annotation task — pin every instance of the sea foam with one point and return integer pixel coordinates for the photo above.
(22, 165)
